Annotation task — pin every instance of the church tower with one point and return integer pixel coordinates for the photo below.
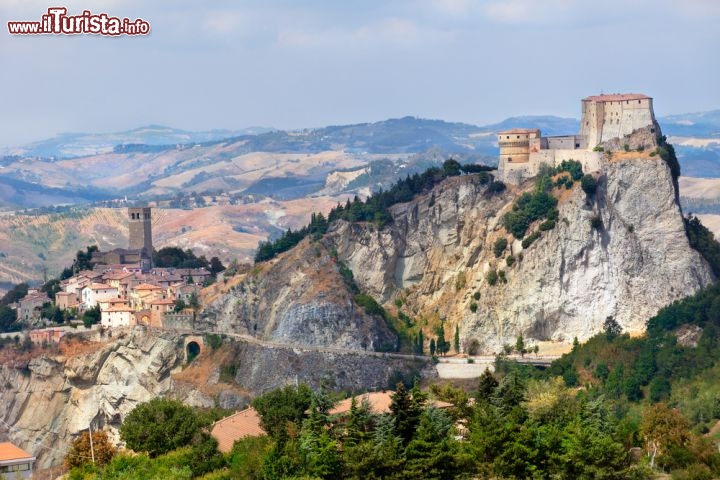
(141, 234)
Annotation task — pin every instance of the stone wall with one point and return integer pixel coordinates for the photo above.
(515, 173)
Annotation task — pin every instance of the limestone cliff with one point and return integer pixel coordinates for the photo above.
(49, 396)
(436, 253)
(300, 298)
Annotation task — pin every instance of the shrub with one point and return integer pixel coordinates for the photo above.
(473, 307)
(510, 260)
(598, 148)
(626, 147)
(589, 185)
(159, 426)
(530, 239)
(499, 247)
(501, 276)
(547, 225)
(491, 277)
(596, 222)
(641, 148)
(528, 208)
(476, 295)
(496, 186)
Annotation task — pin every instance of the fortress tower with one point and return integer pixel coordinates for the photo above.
(141, 232)
(614, 116)
(515, 144)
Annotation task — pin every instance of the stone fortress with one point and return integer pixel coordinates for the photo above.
(605, 119)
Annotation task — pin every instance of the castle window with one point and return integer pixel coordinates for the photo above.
(518, 136)
(639, 101)
(508, 137)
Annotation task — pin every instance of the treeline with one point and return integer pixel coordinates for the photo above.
(317, 227)
(376, 207)
(703, 240)
(174, 257)
(668, 377)
(517, 428)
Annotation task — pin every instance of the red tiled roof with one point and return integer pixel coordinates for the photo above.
(616, 97)
(146, 286)
(100, 286)
(240, 425)
(379, 402)
(8, 452)
(165, 301)
(520, 130)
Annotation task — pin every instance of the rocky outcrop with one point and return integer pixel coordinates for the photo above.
(49, 398)
(641, 139)
(52, 397)
(437, 252)
(300, 298)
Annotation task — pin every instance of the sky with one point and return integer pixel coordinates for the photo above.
(293, 64)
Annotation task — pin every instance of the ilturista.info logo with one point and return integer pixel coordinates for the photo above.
(57, 22)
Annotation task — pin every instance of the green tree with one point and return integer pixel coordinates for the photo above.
(432, 453)
(8, 319)
(405, 410)
(246, 458)
(612, 328)
(91, 316)
(589, 185)
(456, 340)
(520, 345)
(15, 294)
(499, 246)
(433, 347)
(486, 386)
(160, 425)
(283, 408)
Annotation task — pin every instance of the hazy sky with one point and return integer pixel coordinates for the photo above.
(292, 64)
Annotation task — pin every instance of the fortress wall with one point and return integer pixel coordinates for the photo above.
(567, 142)
(514, 173)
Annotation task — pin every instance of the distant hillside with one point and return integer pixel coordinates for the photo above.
(162, 163)
(66, 145)
(701, 124)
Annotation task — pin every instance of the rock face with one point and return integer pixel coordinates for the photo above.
(436, 253)
(301, 299)
(51, 398)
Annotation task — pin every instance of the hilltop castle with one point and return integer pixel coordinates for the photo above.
(605, 118)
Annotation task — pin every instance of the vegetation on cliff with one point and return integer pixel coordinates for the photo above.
(540, 203)
(375, 208)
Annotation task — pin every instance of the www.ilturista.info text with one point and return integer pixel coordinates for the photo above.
(58, 22)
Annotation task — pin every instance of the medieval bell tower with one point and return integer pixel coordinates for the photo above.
(141, 233)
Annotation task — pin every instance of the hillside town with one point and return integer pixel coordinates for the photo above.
(126, 293)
